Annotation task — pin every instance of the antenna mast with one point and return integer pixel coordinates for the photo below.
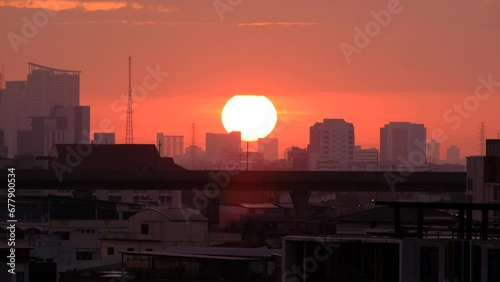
(129, 136)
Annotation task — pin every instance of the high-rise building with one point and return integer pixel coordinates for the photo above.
(43, 110)
(453, 155)
(223, 147)
(14, 113)
(268, 147)
(403, 142)
(170, 145)
(433, 151)
(297, 159)
(69, 125)
(331, 145)
(49, 87)
(493, 147)
(104, 138)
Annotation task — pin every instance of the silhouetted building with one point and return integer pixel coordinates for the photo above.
(268, 147)
(365, 155)
(14, 113)
(170, 145)
(402, 143)
(298, 159)
(118, 157)
(222, 148)
(433, 151)
(39, 105)
(3, 148)
(193, 158)
(453, 155)
(104, 138)
(27, 266)
(63, 126)
(365, 159)
(354, 258)
(331, 145)
(483, 179)
(493, 147)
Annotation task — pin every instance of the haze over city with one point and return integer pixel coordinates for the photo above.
(427, 59)
(249, 140)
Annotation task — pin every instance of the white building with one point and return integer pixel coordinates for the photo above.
(403, 142)
(331, 145)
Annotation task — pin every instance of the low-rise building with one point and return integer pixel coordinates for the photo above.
(153, 229)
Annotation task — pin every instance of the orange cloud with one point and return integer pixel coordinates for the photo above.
(60, 5)
(281, 24)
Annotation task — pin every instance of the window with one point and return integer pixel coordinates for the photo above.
(144, 229)
(111, 251)
(149, 250)
(130, 249)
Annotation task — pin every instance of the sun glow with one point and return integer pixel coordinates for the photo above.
(254, 116)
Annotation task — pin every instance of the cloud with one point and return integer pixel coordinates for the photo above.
(61, 5)
(89, 6)
(280, 24)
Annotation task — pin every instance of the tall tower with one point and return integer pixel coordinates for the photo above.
(129, 136)
(482, 137)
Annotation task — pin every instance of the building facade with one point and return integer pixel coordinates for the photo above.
(483, 179)
(453, 155)
(268, 147)
(403, 143)
(170, 145)
(104, 138)
(331, 145)
(222, 149)
(42, 110)
(433, 152)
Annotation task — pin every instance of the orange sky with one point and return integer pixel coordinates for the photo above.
(424, 61)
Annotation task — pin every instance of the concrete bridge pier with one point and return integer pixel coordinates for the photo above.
(300, 201)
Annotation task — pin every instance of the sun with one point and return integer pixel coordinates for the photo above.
(253, 115)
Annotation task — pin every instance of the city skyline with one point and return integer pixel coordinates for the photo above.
(202, 58)
(250, 140)
(57, 79)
